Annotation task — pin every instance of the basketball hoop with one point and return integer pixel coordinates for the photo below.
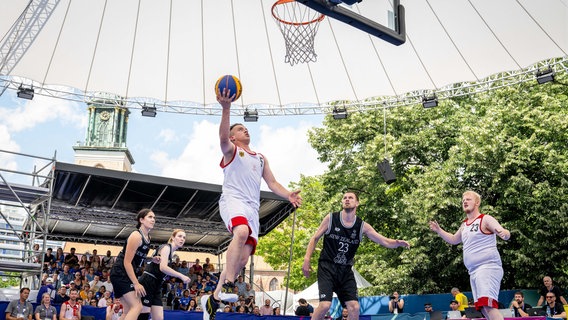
(299, 25)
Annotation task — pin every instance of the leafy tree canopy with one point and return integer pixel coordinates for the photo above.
(508, 144)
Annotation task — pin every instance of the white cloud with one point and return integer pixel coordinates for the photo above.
(289, 153)
(7, 160)
(27, 114)
(199, 160)
(168, 135)
(286, 149)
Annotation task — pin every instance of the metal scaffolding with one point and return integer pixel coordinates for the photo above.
(26, 190)
(496, 81)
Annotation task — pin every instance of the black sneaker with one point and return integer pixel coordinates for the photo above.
(209, 306)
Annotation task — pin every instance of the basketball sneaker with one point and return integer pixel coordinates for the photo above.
(209, 306)
(227, 292)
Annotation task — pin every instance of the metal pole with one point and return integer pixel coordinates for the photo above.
(290, 262)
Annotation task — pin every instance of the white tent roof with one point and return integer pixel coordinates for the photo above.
(312, 292)
(172, 52)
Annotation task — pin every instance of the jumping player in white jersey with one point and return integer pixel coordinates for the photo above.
(240, 201)
(480, 256)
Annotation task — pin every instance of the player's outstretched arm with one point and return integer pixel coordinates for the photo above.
(227, 147)
(376, 237)
(275, 186)
(448, 237)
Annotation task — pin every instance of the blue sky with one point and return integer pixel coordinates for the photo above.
(171, 145)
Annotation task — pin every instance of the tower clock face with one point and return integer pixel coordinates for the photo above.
(105, 115)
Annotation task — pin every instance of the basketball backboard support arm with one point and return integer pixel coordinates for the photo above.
(396, 37)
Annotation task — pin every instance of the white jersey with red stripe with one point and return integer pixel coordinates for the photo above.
(243, 176)
(479, 248)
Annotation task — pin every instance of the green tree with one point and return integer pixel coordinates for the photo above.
(9, 279)
(508, 144)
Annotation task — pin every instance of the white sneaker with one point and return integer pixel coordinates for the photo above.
(229, 297)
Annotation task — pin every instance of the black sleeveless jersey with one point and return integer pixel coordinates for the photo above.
(154, 268)
(340, 242)
(139, 256)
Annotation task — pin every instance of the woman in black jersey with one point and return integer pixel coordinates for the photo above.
(132, 256)
(156, 273)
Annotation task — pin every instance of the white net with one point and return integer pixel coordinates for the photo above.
(299, 25)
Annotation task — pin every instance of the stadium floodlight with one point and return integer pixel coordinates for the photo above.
(430, 102)
(149, 111)
(26, 92)
(251, 115)
(544, 76)
(339, 113)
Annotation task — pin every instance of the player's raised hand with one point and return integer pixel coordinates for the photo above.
(295, 198)
(225, 98)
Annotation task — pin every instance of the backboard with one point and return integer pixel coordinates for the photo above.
(376, 17)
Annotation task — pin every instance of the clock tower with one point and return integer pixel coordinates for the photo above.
(105, 143)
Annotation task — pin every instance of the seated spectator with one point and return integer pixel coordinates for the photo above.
(519, 306)
(241, 309)
(59, 257)
(36, 254)
(108, 285)
(345, 314)
(99, 294)
(83, 263)
(115, 310)
(90, 276)
(428, 307)
(196, 268)
(48, 259)
(184, 300)
(105, 300)
(304, 308)
(45, 311)
(107, 260)
(209, 265)
(249, 291)
(550, 287)
(250, 303)
(241, 285)
(266, 309)
(454, 306)
(46, 288)
(552, 308)
(192, 305)
(61, 296)
(96, 283)
(21, 308)
(90, 296)
(78, 280)
(71, 258)
(183, 269)
(256, 311)
(83, 293)
(227, 308)
(276, 311)
(66, 277)
(95, 260)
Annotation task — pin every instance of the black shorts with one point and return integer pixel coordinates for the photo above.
(153, 287)
(336, 278)
(120, 281)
